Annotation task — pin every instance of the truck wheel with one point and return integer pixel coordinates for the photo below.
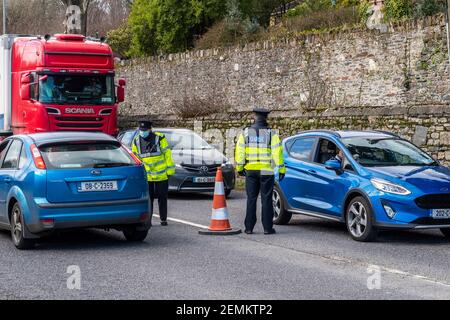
(359, 220)
(280, 215)
(134, 235)
(17, 229)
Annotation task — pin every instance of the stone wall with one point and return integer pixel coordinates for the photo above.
(355, 79)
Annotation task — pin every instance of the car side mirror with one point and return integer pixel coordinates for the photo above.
(25, 79)
(334, 165)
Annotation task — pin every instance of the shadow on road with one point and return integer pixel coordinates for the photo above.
(407, 237)
(90, 239)
(235, 195)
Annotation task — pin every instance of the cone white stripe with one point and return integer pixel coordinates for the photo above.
(219, 189)
(219, 214)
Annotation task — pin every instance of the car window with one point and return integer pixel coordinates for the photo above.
(23, 157)
(85, 155)
(347, 165)
(327, 151)
(127, 138)
(12, 157)
(302, 148)
(3, 148)
(185, 140)
(386, 151)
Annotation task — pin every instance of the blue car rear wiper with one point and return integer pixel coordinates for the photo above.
(110, 164)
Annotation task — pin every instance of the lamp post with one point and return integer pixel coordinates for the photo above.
(4, 16)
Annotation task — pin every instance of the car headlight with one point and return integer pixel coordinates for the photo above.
(389, 187)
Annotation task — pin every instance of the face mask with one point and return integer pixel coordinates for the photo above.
(144, 134)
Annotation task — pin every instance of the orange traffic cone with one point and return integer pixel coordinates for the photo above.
(220, 223)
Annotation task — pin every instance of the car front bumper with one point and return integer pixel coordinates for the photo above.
(408, 215)
(183, 181)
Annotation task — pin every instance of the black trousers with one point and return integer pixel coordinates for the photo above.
(255, 182)
(159, 190)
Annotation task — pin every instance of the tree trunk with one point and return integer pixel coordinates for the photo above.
(76, 16)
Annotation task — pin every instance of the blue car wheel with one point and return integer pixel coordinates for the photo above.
(280, 215)
(17, 229)
(359, 220)
(132, 234)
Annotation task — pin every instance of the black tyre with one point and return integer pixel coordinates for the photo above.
(134, 235)
(359, 220)
(280, 215)
(446, 232)
(17, 229)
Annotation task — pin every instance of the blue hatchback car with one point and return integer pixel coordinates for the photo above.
(370, 180)
(62, 180)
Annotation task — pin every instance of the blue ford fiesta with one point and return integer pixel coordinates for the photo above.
(61, 180)
(369, 180)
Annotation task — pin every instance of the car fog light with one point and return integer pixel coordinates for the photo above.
(389, 211)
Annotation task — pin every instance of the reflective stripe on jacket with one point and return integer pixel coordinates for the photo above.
(158, 162)
(259, 150)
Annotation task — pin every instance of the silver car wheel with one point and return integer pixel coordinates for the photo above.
(276, 201)
(17, 227)
(357, 219)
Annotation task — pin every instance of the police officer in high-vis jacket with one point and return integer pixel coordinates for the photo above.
(153, 150)
(258, 153)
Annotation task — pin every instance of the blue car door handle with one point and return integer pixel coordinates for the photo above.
(7, 180)
(312, 171)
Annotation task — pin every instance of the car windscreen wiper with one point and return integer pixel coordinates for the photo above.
(111, 164)
(375, 141)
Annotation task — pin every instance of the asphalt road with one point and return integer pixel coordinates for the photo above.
(308, 259)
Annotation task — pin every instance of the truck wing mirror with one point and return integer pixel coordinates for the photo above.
(26, 79)
(25, 91)
(121, 90)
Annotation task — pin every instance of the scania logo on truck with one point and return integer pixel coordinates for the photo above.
(80, 110)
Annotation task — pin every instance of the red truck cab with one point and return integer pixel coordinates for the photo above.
(60, 83)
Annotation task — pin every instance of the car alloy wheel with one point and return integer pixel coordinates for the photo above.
(276, 201)
(17, 227)
(357, 219)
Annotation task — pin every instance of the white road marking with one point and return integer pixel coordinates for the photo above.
(185, 222)
(335, 258)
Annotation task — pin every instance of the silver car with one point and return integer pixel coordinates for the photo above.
(195, 159)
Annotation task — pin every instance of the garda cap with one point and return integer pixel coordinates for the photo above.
(145, 125)
(261, 112)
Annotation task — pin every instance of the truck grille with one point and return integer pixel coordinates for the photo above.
(79, 118)
(79, 125)
(434, 201)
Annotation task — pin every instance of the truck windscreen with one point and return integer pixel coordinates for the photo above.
(77, 89)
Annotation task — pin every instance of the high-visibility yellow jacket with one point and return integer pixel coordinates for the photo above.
(259, 150)
(158, 162)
